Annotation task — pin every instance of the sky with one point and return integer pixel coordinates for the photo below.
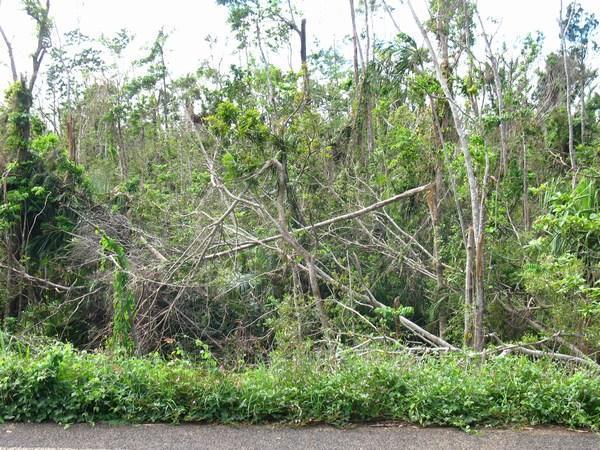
(189, 22)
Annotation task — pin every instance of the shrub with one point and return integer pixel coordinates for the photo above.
(57, 383)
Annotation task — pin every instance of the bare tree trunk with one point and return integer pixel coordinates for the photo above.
(499, 98)
(468, 328)
(563, 44)
(476, 194)
(433, 199)
(442, 143)
(304, 62)
(479, 282)
(526, 215)
(265, 62)
(359, 87)
(368, 105)
(305, 254)
(122, 159)
(165, 100)
(355, 45)
(71, 142)
(583, 110)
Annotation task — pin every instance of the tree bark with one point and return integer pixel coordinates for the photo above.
(11, 57)
(479, 282)
(355, 44)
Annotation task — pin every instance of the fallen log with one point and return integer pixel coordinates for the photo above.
(542, 354)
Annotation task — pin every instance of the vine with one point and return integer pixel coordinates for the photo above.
(123, 301)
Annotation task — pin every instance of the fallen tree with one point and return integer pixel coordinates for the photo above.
(348, 216)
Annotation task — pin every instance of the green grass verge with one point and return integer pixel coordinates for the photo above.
(63, 385)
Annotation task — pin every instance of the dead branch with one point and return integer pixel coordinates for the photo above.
(506, 349)
(542, 354)
(153, 249)
(324, 223)
(47, 284)
(410, 325)
(306, 255)
(42, 46)
(537, 326)
(11, 56)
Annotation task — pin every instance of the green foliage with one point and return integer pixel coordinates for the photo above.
(388, 314)
(564, 264)
(177, 162)
(123, 299)
(59, 384)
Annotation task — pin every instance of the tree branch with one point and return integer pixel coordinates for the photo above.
(11, 57)
(324, 223)
(43, 33)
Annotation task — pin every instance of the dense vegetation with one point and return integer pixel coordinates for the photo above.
(206, 241)
(65, 386)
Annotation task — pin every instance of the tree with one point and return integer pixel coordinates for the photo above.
(477, 189)
(577, 38)
(564, 25)
(20, 102)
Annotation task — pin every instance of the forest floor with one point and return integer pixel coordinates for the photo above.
(378, 436)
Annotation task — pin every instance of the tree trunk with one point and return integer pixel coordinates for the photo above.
(583, 111)
(300, 250)
(122, 159)
(572, 156)
(468, 327)
(433, 199)
(22, 102)
(476, 193)
(479, 285)
(500, 100)
(354, 44)
(71, 142)
(526, 214)
(304, 61)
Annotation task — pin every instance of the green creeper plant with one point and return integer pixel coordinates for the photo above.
(123, 301)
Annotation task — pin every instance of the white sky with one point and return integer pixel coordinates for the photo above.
(190, 21)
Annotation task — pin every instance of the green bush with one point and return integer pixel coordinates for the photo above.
(57, 383)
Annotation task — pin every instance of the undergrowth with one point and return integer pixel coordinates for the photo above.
(57, 383)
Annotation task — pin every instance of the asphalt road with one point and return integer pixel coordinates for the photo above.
(280, 437)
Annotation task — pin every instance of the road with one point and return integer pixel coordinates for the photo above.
(389, 436)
